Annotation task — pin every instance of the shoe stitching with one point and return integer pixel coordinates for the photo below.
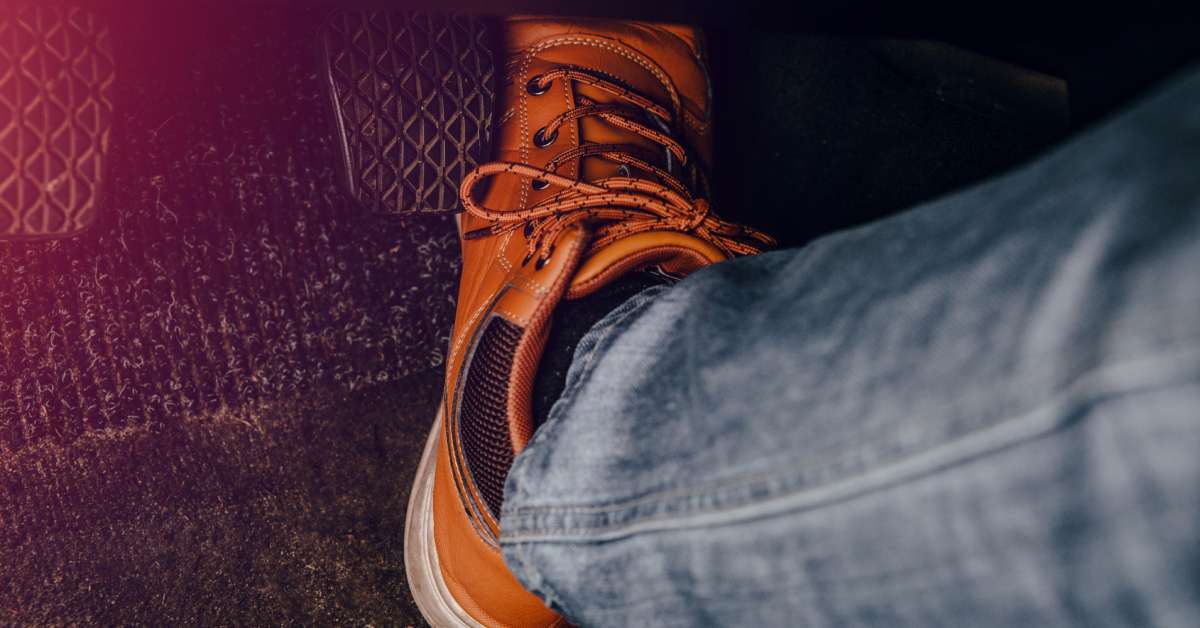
(470, 325)
(522, 320)
(637, 57)
(569, 103)
(523, 109)
(537, 287)
(503, 249)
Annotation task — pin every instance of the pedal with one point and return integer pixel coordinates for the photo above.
(412, 98)
(56, 113)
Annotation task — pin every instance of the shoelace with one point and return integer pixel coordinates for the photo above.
(617, 206)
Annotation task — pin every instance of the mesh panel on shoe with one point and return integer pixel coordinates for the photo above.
(483, 416)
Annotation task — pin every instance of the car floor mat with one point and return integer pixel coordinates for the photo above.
(412, 98)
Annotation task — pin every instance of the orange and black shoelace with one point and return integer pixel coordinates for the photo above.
(614, 207)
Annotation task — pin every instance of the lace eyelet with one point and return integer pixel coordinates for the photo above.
(539, 184)
(542, 261)
(525, 262)
(541, 140)
(624, 171)
(535, 87)
(528, 229)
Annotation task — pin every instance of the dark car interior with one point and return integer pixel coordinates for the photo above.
(214, 394)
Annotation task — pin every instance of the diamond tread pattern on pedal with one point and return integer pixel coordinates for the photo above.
(413, 97)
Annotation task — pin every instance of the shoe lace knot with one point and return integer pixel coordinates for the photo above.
(616, 206)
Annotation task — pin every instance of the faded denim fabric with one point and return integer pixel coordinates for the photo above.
(982, 412)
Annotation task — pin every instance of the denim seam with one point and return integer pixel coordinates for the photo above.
(534, 580)
(548, 522)
(655, 494)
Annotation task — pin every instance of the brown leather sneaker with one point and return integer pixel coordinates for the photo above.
(602, 150)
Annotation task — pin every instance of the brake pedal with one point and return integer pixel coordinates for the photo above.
(56, 113)
(412, 97)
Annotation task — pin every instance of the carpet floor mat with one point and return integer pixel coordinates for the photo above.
(202, 397)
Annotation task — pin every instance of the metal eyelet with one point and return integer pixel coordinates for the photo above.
(541, 140)
(528, 229)
(542, 261)
(525, 262)
(624, 171)
(535, 87)
(539, 184)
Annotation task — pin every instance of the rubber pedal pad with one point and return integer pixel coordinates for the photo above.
(412, 98)
(56, 115)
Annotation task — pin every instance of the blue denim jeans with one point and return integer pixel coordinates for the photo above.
(982, 412)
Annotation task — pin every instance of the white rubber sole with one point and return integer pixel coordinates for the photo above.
(420, 552)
